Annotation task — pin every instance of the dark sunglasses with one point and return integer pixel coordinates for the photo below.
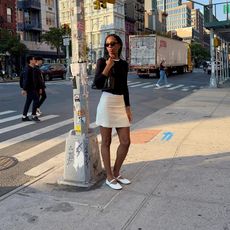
(112, 44)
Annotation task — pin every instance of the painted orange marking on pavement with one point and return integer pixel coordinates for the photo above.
(143, 136)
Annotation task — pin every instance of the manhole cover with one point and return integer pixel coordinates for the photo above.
(7, 162)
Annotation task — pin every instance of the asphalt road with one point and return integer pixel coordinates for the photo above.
(24, 148)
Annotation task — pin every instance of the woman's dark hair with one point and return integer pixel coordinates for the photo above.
(106, 53)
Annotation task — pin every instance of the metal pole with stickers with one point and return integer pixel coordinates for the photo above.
(82, 167)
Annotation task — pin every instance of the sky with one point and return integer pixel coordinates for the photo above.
(220, 15)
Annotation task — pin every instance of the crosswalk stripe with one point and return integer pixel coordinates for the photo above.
(142, 84)
(185, 89)
(10, 118)
(29, 153)
(160, 87)
(175, 87)
(147, 86)
(21, 125)
(134, 83)
(7, 112)
(47, 165)
(30, 135)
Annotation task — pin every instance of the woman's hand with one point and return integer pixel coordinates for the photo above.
(23, 93)
(109, 64)
(129, 113)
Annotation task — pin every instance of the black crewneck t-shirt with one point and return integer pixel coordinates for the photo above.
(119, 71)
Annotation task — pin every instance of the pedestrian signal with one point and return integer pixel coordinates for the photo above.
(97, 5)
(103, 4)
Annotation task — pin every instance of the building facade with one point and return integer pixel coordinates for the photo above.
(129, 30)
(35, 17)
(65, 11)
(135, 9)
(178, 17)
(189, 34)
(8, 15)
(98, 24)
(198, 23)
(164, 5)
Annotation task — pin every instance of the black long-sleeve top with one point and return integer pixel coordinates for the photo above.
(31, 79)
(119, 71)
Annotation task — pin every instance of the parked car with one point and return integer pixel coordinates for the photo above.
(53, 70)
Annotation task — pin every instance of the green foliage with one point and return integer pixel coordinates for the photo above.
(54, 37)
(11, 43)
(199, 53)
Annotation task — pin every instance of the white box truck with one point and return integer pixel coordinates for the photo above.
(148, 51)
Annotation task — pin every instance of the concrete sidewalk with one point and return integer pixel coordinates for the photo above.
(179, 164)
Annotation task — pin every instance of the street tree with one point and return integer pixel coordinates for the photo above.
(54, 37)
(12, 48)
(199, 53)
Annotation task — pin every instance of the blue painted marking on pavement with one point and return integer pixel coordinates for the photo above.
(167, 136)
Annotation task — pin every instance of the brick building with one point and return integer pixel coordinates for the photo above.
(8, 15)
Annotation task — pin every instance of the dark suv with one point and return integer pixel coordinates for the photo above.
(53, 70)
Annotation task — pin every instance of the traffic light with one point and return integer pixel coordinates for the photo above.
(66, 28)
(111, 1)
(97, 5)
(217, 42)
(103, 4)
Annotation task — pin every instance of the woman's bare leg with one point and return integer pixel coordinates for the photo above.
(105, 150)
(122, 150)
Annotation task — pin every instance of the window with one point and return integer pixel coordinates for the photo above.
(50, 19)
(50, 3)
(9, 15)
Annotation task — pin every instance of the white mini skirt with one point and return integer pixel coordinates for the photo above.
(111, 112)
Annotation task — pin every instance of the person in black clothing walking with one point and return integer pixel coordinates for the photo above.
(30, 89)
(42, 92)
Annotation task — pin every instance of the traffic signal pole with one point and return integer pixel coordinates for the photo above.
(82, 167)
(213, 80)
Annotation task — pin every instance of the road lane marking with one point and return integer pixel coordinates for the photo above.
(10, 118)
(7, 112)
(24, 124)
(54, 162)
(185, 89)
(134, 83)
(148, 86)
(42, 147)
(142, 84)
(175, 87)
(30, 135)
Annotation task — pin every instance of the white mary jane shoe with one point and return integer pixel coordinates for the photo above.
(123, 180)
(116, 186)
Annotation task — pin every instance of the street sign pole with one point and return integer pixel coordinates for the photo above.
(66, 42)
(82, 167)
(213, 81)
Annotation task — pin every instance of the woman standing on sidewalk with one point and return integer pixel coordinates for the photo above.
(113, 110)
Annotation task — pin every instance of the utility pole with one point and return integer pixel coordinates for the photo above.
(82, 167)
(213, 81)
